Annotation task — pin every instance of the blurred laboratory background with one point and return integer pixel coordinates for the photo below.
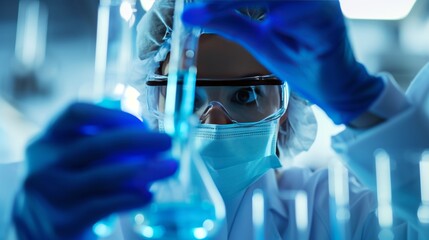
(47, 52)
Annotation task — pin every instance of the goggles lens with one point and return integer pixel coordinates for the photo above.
(244, 100)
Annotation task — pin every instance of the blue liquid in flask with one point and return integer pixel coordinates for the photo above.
(176, 221)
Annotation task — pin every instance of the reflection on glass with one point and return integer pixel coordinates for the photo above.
(114, 51)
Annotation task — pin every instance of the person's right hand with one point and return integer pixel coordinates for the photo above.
(302, 42)
(89, 163)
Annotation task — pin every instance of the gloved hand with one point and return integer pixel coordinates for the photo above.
(89, 163)
(302, 42)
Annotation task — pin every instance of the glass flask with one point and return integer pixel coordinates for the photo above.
(113, 55)
(187, 205)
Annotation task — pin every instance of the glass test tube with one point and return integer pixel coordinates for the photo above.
(114, 50)
(339, 201)
(29, 72)
(301, 210)
(258, 214)
(423, 211)
(384, 194)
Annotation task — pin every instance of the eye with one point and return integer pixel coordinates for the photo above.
(246, 96)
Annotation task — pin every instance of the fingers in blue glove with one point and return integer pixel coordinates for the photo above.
(84, 119)
(97, 181)
(115, 143)
(291, 17)
(221, 19)
(91, 162)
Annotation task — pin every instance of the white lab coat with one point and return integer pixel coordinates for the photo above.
(404, 135)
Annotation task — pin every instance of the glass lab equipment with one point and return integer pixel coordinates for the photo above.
(301, 214)
(423, 211)
(30, 75)
(113, 55)
(384, 194)
(258, 214)
(339, 200)
(187, 205)
(114, 50)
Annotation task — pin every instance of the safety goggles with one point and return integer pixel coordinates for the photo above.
(243, 100)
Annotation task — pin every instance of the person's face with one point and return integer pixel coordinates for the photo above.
(219, 58)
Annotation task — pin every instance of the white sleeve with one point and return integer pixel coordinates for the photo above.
(404, 136)
(391, 101)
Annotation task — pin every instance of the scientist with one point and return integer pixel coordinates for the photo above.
(91, 162)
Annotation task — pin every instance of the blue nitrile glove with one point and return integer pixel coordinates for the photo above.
(89, 163)
(302, 42)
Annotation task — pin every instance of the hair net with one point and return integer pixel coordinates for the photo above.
(296, 134)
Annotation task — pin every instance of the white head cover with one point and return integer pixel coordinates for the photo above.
(296, 134)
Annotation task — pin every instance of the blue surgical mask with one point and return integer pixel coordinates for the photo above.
(236, 155)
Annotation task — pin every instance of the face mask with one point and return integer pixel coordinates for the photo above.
(236, 156)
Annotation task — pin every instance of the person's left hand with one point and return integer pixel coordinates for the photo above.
(89, 163)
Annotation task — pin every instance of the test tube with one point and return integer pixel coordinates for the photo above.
(182, 76)
(339, 200)
(30, 50)
(384, 194)
(258, 214)
(181, 89)
(114, 50)
(423, 211)
(301, 210)
(31, 34)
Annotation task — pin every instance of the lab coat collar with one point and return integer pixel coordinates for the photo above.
(239, 209)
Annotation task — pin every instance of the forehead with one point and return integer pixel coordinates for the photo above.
(221, 58)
